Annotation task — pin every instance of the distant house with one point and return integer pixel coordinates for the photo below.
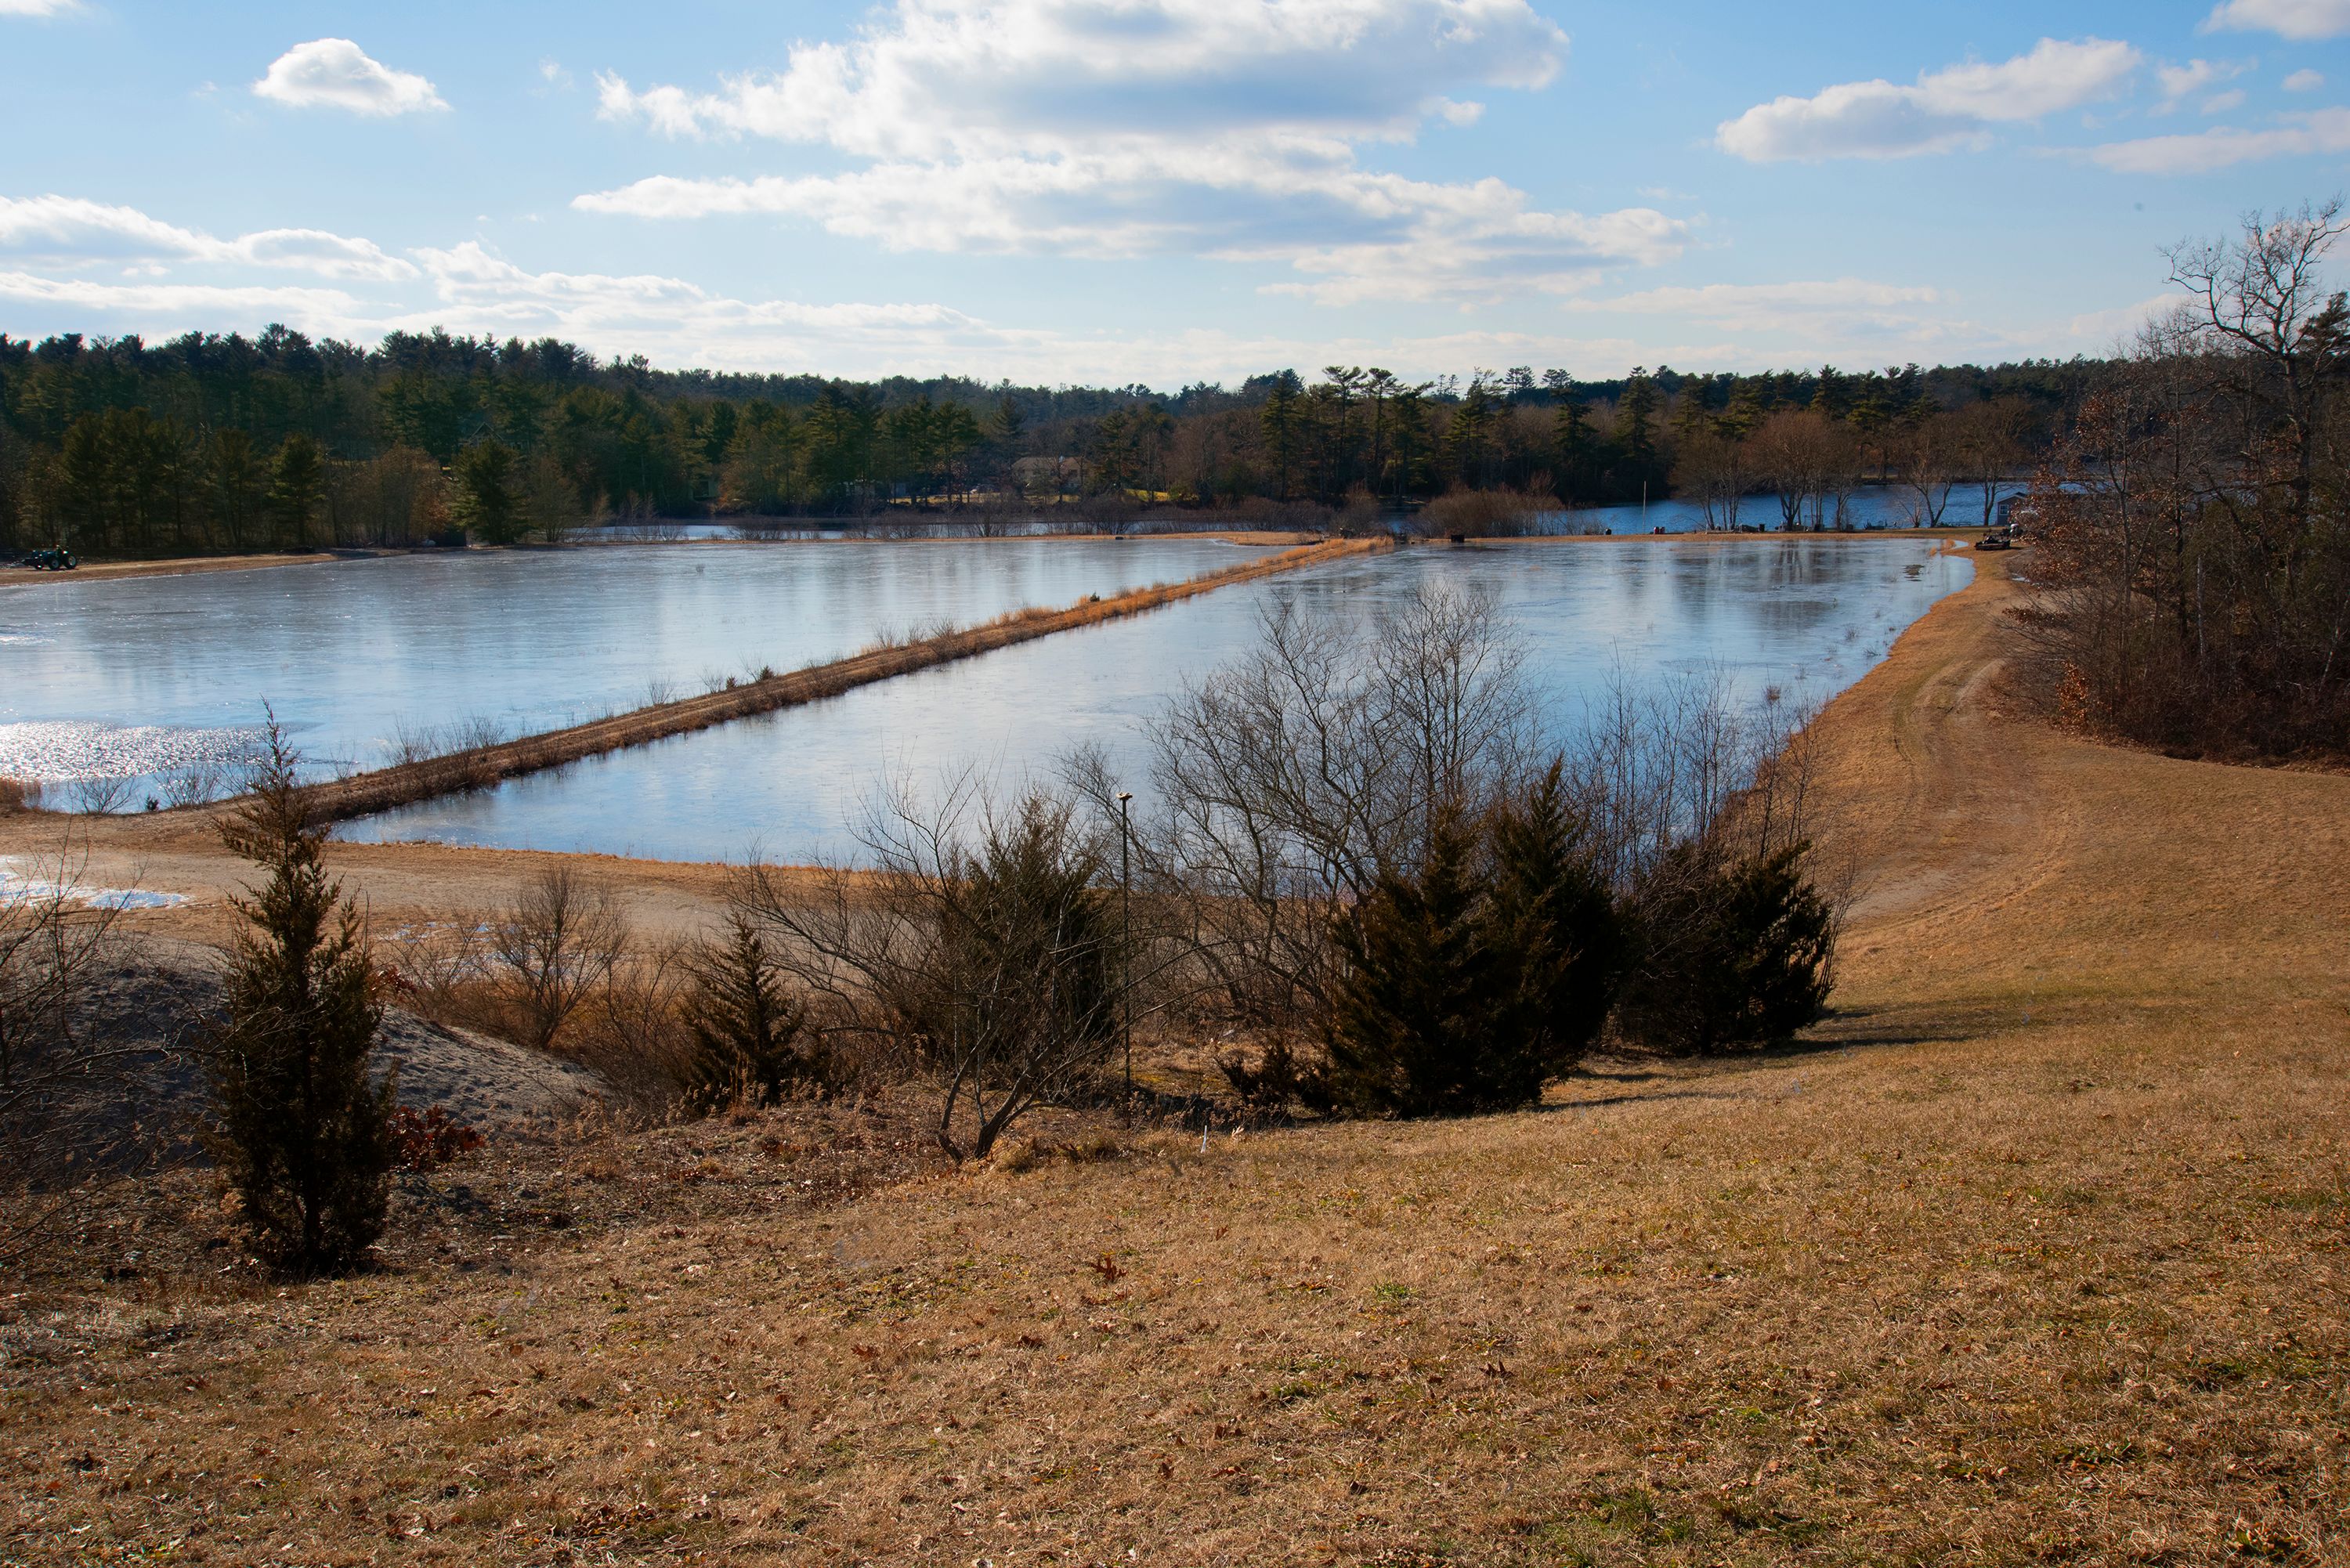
(1047, 475)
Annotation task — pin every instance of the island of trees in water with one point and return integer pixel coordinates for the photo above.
(209, 443)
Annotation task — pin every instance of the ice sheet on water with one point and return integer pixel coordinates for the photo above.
(20, 880)
(68, 751)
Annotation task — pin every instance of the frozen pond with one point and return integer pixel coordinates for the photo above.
(151, 682)
(1807, 614)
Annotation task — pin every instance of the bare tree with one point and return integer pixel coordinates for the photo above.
(1712, 467)
(2265, 295)
(1988, 440)
(977, 944)
(553, 948)
(1792, 451)
(53, 939)
(1925, 467)
(1290, 780)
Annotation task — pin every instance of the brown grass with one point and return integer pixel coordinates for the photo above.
(2036, 1251)
(482, 766)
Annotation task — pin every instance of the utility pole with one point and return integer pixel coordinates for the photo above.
(1125, 934)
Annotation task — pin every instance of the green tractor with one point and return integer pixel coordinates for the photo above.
(56, 560)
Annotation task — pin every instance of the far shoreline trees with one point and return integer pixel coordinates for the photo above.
(2192, 579)
(211, 444)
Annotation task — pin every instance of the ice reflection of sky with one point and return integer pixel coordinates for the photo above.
(146, 679)
(1808, 616)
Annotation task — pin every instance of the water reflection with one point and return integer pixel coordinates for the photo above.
(134, 680)
(1808, 616)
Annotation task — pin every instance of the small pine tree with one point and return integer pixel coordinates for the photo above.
(300, 1129)
(1471, 984)
(1733, 952)
(1423, 1008)
(1554, 912)
(749, 1032)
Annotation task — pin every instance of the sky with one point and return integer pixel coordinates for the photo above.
(1155, 191)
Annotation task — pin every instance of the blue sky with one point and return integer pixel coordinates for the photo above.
(1155, 190)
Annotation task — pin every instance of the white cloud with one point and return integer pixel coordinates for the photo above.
(2287, 18)
(2327, 130)
(335, 73)
(2180, 83)
(675, 323)
(962, 77)
(1189, 127)
(73, 232)
(37, 7)
(1944, 111)
(1840, 308)
(2112, 330)
(2304, 81)
(2221, 103)
(192, 306)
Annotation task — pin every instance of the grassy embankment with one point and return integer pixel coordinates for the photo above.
(2035, 1252)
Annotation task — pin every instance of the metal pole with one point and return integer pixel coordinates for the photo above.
(1125, 934)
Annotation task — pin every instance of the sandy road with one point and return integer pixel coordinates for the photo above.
(1999, 859)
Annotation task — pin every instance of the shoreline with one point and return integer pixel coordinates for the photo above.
(409, 879)
(195, 566)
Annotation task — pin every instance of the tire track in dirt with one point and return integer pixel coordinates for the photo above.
(1943, 805)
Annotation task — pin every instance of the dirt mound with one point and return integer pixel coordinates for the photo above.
(154, 1000)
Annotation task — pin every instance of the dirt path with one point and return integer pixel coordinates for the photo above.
(2026, 860)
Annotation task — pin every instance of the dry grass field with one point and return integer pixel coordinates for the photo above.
(2034, 1253)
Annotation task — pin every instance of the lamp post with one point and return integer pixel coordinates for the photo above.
(1126, 935)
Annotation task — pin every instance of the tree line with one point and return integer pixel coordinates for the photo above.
(209, 443)
(2193, 561)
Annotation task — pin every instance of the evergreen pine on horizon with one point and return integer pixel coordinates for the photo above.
(300, 1129)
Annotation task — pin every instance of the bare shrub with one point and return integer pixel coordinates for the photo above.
(18, 794)
(194, 784)
(98, 796)
(552, 949)
(53, 1061)
(979, 948)
(441, 972)
(412, 741)
(628, 1025)
(1288, 783)
(1485, 513)
(635, 1032)
(1365, 863)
